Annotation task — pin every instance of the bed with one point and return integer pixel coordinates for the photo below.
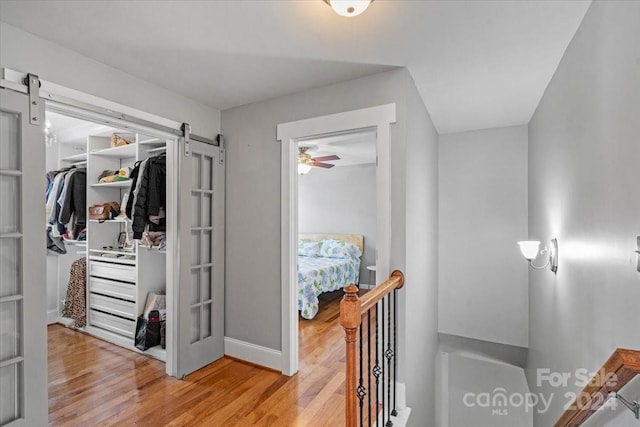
(326, 263)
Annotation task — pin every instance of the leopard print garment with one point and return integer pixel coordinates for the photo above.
(75, 302)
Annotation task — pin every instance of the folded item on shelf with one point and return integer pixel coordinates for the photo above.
(155, 302)
(105, 173)
(107, 210)
(124, 174)
(118, 141)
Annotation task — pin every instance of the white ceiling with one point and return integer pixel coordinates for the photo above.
(477, 64)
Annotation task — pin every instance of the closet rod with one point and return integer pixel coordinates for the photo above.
(155, 150)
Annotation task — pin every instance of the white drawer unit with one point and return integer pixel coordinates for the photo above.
(111, 323)
(113, 305)
(112, 288)
(113, 271)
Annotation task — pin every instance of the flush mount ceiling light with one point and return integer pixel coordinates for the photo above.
(349, 8)
(530, 250)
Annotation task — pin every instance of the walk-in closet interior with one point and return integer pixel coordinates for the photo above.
(107, 247)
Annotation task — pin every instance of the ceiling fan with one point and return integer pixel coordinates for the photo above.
(306, 162)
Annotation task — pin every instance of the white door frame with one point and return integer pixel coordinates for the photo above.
(288, 134)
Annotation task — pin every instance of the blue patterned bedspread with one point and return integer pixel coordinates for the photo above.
(318, 274)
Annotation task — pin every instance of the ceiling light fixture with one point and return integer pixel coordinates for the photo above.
(303, 168)
(349, 8)
(529, 249)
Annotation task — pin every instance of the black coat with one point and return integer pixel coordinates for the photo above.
(75, 199)
(152, 194)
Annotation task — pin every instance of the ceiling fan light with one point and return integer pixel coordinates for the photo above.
(349, 8)
(303, 168)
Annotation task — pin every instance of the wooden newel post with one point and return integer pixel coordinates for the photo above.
(350, 319)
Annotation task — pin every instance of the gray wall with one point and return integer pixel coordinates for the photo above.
(584, 152)
(483, 288)
(253, 216)
(420, 322)
(25, 52)
(341, 200)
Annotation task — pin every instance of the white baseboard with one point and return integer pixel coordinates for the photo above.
(365, 286)
(52, 316)
(253, 353)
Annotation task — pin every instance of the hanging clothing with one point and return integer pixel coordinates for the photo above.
(146, 205)
(66, 200)
(74, 201)
(75, 304)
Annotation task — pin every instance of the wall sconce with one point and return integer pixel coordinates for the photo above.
(638, 253)
(531, 249)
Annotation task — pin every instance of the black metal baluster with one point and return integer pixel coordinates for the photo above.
(384, 371)
(388, 354)
(395, 350)
(360, 391)
(369, 365)
(376, 368)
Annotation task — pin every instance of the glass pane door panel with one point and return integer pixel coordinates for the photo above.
(10, 330)
(9, 140)
(10, 391)
(9, 267)
(9, 207)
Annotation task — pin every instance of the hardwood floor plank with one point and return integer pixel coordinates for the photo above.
(95, 383)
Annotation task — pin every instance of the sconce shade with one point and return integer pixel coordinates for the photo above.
(348, 8)
(529, 248)
(303, 168)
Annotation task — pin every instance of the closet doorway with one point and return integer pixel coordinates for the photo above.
(154, 203)
(106, 259)
(194, 272)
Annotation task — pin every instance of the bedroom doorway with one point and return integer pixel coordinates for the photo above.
(322, 139)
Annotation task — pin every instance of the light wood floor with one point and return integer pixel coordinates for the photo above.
(94, 383)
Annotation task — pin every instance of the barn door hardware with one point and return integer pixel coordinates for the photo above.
(33, 87)
(186, 133)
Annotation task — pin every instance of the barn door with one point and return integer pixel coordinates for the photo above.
(23, 339)
(201, 256)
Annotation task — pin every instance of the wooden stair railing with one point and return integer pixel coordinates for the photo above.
(622, 367)
(369, 378)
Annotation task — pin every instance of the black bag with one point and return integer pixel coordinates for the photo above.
(148, 331)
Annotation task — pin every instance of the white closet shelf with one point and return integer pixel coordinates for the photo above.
(122, 152)
(119, 221)
(153, 249)
(75, 158)
(126, 261)
(158, 149)
(75, 242)
(107, 251)
(114, 184)
(152, 141)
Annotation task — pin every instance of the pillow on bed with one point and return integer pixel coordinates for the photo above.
(339, 249)
(306, 248)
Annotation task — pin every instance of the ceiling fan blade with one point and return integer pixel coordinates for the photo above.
(326, 158)
(323, 165)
